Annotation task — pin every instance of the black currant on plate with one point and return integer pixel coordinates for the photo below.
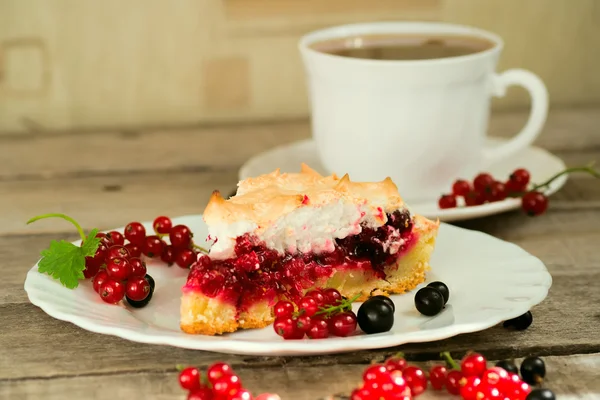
(541, 394)
(375, 315)
(441, 286)
(143, 303)
(385, 299)
(509, 366)
(533, 370)
(520, 323)
(150, 281)
(429, 301)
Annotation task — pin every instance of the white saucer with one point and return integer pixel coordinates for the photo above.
(490, 281)
(540, 163)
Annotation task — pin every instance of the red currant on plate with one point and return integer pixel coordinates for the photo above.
(118, 268)
(332, 296)
(168, 255)
(138, 268)
(319, 329)
(461, 187)
(137, 289)
(316, 294)
(308, 306)
(104, 239)
(135, 232)
(153, 246)
(520, 179)
(116, 237)
(189, 379)
(496, 192)
(482, 181)
(474, 198)
(134, 249)
(97, 259)
(303, 323)
(99, 279)
(473, 364)
(185, 258)
(447, 201)
(180, 236)
(162, 224)
(112, 291)
(116, 251)
(283, 309)
(534, 203)
(343, 324)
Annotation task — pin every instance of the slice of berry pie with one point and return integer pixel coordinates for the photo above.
(284, 234)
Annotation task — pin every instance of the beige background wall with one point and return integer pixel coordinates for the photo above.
(68, 64)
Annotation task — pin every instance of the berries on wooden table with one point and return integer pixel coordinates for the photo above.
(226, 386)
(112, 291)
(135, 233)
(218, 370)
(447, 201)
(415, 379)
(482, 181)
(541, 394)
(203, 393)
(185, 258)
(375, 316)
(520, 323)
(473, 364)
(453, 379)
(395, 364)
(437, 377)
(533, 370)
(461, 187)
(534, 203)
(162, 225)
(429, 301)
(508, 365)
(343, 324)
(240, 394)
(189, 379)
(442, 288)
(469, 387)
(497, 377)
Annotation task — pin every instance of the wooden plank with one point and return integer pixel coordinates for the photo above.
(52, 154)
(570, 377)
(46, 347)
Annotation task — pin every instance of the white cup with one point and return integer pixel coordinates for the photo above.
(421, 122)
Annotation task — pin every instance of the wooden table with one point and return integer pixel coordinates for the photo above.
(108, 178)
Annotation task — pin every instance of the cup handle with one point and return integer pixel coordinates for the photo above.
(539, 110)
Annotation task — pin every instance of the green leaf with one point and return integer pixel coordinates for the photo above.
(65, 261)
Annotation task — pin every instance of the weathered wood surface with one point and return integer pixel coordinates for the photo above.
(106, 179)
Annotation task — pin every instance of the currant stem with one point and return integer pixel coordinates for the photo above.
(448, 358)
(63, 216)
(587, 169)
(343, 304)
(202, 249)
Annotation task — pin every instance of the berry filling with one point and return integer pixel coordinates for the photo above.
(259, 273)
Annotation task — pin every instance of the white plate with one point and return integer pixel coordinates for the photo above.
(541, 164)
(490, 281)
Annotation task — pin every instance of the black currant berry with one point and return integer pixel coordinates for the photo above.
(533, 370)
(520, 323)
(143, 303)
(509, 366)
(441, 286)
(375, 316)
(385, 299)
(429, 301)
(541, 394)
(150, 281)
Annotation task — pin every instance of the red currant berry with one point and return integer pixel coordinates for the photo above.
(461, 187)
(135, 233)
(534, 203)
(485, 392)
(332, 297)
(162, 225)
(473, 364)
(319, 328)
(317, 295)
(283, 309)
(395, 364)
(218, 370)
(361, 394)
(497, 377)
(90, 269)
(189, 379)
(308, 306)
(474, 198)
(96, 260)
(118, 268)
(437, 377)
(168, 255)
(226, 386)
(180, 236)
(185, 258)
(203, 393)
(134, 249)
(343, 324)
(99, 279)
(496, 192)
(116, 237)
(415, 379)
(376, 373)
(469, 387)
(137, 289)
(395, 388)
(284, 326)
(453, 381)
(138, 268)
(153, 246)
(482, 181)
(112, 291)
(303, 323)
(447, 201)
(520, 178)
(240, 394)
(104, 239)
(116, 252)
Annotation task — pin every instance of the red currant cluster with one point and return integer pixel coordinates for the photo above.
(472, 380)
(220, 383)
(319, 313)
(118, 269)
